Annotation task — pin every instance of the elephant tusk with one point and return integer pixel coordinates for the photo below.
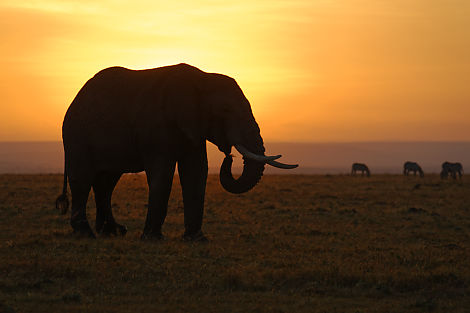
(250, 155)
(282, 165)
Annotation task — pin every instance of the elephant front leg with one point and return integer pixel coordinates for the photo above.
(160, 179)
(192, 170)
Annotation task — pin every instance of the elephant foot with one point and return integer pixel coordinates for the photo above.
(195, 237)
(152, 236)
(82, 228)
(115, 229)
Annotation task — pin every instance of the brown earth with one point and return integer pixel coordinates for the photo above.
(293, 244)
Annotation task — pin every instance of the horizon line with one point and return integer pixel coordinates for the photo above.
(290, 142)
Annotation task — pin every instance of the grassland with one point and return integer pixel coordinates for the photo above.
(293, 244)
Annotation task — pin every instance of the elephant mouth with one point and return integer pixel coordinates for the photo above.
(253, 168)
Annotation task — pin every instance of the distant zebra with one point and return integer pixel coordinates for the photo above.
(451, 169)
(412, 167)
(360, 167)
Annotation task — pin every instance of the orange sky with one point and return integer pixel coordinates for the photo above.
(316, 70)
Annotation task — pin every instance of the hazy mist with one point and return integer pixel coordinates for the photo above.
(313, 158)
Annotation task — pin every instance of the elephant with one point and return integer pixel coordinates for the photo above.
(129, 121)
(356, 167)
(412, 167)
(451, 169)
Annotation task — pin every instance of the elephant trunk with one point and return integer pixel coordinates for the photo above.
(252, 170)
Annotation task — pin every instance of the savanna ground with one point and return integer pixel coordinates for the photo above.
(293, 244)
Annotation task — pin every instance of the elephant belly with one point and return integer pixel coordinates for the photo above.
(117, 157)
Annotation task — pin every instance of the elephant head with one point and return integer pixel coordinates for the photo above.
(225, 118)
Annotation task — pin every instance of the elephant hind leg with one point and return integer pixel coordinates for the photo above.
(80, 176)
(103, 186)
(80, 190)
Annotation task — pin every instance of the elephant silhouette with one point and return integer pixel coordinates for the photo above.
(127, 121)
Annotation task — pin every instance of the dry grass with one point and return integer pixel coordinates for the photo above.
(293, 244)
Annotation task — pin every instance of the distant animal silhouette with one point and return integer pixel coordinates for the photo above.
(360, 167)
(452, 169)
(125, 121)
(412, 167)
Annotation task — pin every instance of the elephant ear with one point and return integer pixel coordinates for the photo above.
(185, 109)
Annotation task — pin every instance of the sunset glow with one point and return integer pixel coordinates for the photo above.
(360, 70)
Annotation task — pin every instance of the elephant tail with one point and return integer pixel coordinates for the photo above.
(62, 201)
